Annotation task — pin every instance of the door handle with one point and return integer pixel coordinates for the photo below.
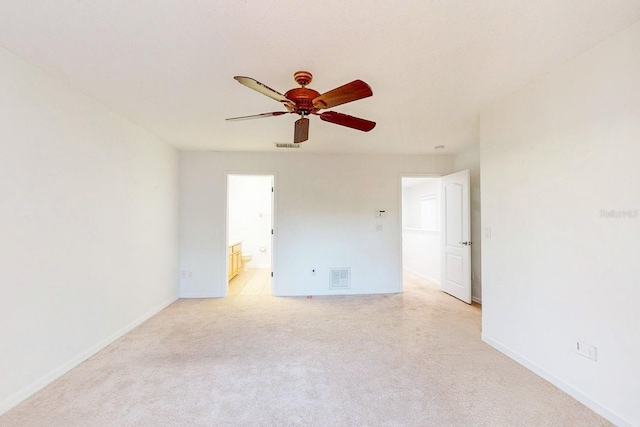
(465, 243)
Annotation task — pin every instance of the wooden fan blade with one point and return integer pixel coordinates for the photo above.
(348, 121)
(257, 116)
(263, 89)
(353, 91)
(301, 131)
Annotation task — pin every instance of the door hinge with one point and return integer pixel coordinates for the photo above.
(272, 274)
(272, 231)
(272, 189)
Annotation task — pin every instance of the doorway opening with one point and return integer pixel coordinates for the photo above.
(421, 236)
(436, 231)
(250, 223)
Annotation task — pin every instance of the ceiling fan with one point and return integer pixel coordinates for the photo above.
(304, 101)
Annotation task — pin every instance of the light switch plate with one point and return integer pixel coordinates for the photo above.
(586, 350)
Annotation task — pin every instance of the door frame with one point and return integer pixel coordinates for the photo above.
(274, 233)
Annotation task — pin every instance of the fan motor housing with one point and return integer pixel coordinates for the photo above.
(303, 98)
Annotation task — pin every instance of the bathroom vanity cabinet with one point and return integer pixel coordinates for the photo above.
(235, 259)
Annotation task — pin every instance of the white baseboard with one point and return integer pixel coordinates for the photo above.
(538, 370)
(188, 295)
(47, 379)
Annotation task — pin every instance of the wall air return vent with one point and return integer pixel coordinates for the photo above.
(286, 145)
(340, 278)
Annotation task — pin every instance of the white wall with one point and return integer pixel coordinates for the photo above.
(411, 196)
(250, 216)
(553, 156)
(421, 247)
(88, 219)
(325, 217)
(470, 159)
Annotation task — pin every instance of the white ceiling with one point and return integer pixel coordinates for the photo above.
(169, 65)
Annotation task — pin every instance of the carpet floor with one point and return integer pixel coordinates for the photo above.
(411, 359)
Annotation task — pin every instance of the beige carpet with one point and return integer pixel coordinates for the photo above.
(412, 359)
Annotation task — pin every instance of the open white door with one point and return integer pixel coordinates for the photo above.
(456, 236)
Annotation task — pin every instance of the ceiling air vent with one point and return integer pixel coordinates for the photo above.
(287, 145)
(340, 278)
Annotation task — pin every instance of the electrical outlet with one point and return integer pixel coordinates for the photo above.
(487, 232)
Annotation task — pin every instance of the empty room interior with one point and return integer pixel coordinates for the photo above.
(329, 213)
